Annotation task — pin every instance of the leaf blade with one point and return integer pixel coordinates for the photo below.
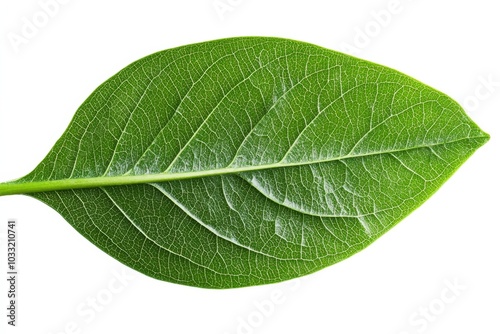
(279, 152)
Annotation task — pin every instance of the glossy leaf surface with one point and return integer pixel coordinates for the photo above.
(250, 160)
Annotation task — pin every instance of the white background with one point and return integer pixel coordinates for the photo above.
(451, 239)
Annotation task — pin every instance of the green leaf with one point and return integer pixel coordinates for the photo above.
(248, 161)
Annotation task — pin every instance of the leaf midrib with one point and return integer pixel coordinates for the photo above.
(24, 187)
